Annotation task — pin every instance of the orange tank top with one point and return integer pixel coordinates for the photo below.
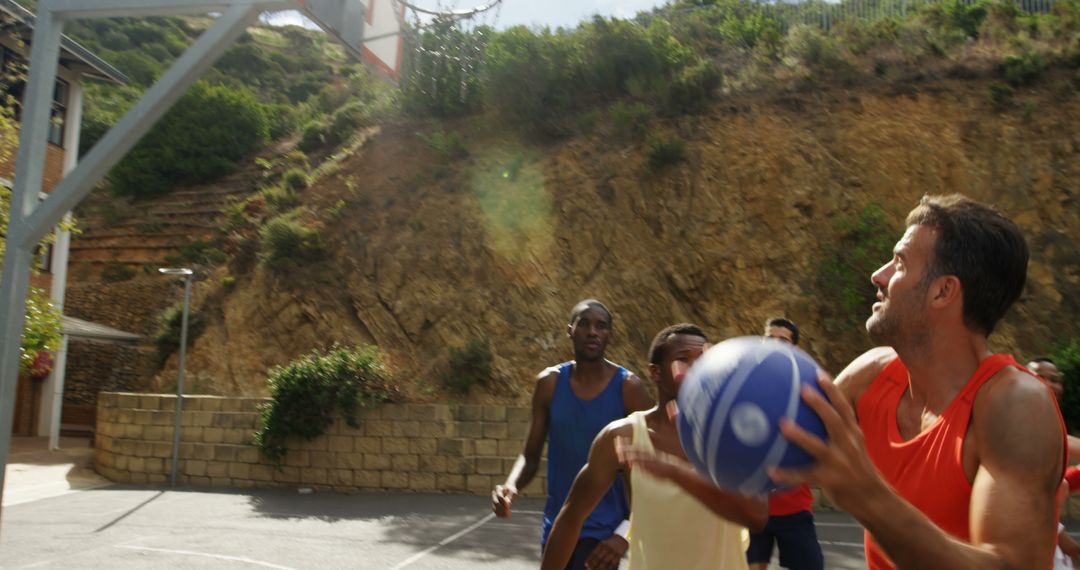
(926, 470)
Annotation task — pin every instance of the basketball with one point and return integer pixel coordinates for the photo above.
(730, 405)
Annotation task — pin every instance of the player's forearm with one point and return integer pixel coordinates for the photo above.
(561, 541)
(913, 542)
(522, 473)
(750, 512)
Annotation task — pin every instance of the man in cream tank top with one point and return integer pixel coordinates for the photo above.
(678, 519)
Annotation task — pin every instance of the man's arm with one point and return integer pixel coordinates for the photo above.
(594, 479)
(636, 395)
(1019, 446)
(751, 512)
(528, 462)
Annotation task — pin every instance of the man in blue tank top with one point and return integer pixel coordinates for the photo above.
(571, 403)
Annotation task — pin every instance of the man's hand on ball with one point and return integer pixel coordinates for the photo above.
(842, 469)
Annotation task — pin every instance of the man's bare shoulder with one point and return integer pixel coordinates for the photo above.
(545, 385)
(548, 374)
(622, 427)
(857, 376)
(1013, 394)
(1017, 424)
(636, 394)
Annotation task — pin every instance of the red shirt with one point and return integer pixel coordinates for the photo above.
(927, 469)
(1072, 476)
(791, 501)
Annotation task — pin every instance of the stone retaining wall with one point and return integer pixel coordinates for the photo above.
(399, 447)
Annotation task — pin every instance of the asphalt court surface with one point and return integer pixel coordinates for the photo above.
(141, 527)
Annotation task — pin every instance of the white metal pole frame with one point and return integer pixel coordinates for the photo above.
(21, 234)
(59, 268)
(29, 221)
(185, 273)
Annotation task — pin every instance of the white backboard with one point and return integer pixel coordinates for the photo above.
(370, 29)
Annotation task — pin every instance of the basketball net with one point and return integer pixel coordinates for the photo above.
(445, 45)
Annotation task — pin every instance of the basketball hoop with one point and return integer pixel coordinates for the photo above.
(445, 47)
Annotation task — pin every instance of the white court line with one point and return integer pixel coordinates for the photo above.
(207, 555)
(444, 542)
(528, 512)
(21, 498)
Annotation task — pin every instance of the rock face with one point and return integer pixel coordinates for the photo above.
(428, 252)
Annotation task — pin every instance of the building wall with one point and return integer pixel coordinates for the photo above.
(399, 447)
(54, 167)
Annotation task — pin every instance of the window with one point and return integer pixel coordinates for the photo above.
(12, 84)
(58, 113)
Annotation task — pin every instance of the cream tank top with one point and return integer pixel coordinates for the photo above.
(669, 528)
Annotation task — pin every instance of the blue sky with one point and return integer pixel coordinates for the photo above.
(552, 13)
(567, 13)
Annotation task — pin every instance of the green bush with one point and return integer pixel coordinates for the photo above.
(747, 30)
(439, 86)
(864, 242)
(279, 199)
(284, 243)
(139, 67)
(1001, 96)
(344, 123)
(41, 331)
(199, 140)
(1067, 359)
(816, 50)
(957, 15)
(114, 272)
(311, 391)
(314, 136)
(469, 365)
(530, 75)
(630, 119)
(170, 323)
(295, 179)
(282, 119)
(664, 152)
(1021, 70)
(449, 145)
(693, 87)
(197, 253)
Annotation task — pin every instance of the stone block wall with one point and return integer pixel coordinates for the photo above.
(399, 447)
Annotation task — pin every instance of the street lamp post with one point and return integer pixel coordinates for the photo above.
(185, 274)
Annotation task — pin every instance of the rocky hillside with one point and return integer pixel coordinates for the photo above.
(428, 246)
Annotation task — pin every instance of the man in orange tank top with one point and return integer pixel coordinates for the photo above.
(949, 455)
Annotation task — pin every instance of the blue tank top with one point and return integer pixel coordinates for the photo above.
(572, 425)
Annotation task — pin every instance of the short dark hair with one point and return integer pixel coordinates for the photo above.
(656, 349)
(585, 305)
(786, 324)
(982, 248)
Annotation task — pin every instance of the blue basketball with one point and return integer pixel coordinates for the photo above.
(730, 405)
